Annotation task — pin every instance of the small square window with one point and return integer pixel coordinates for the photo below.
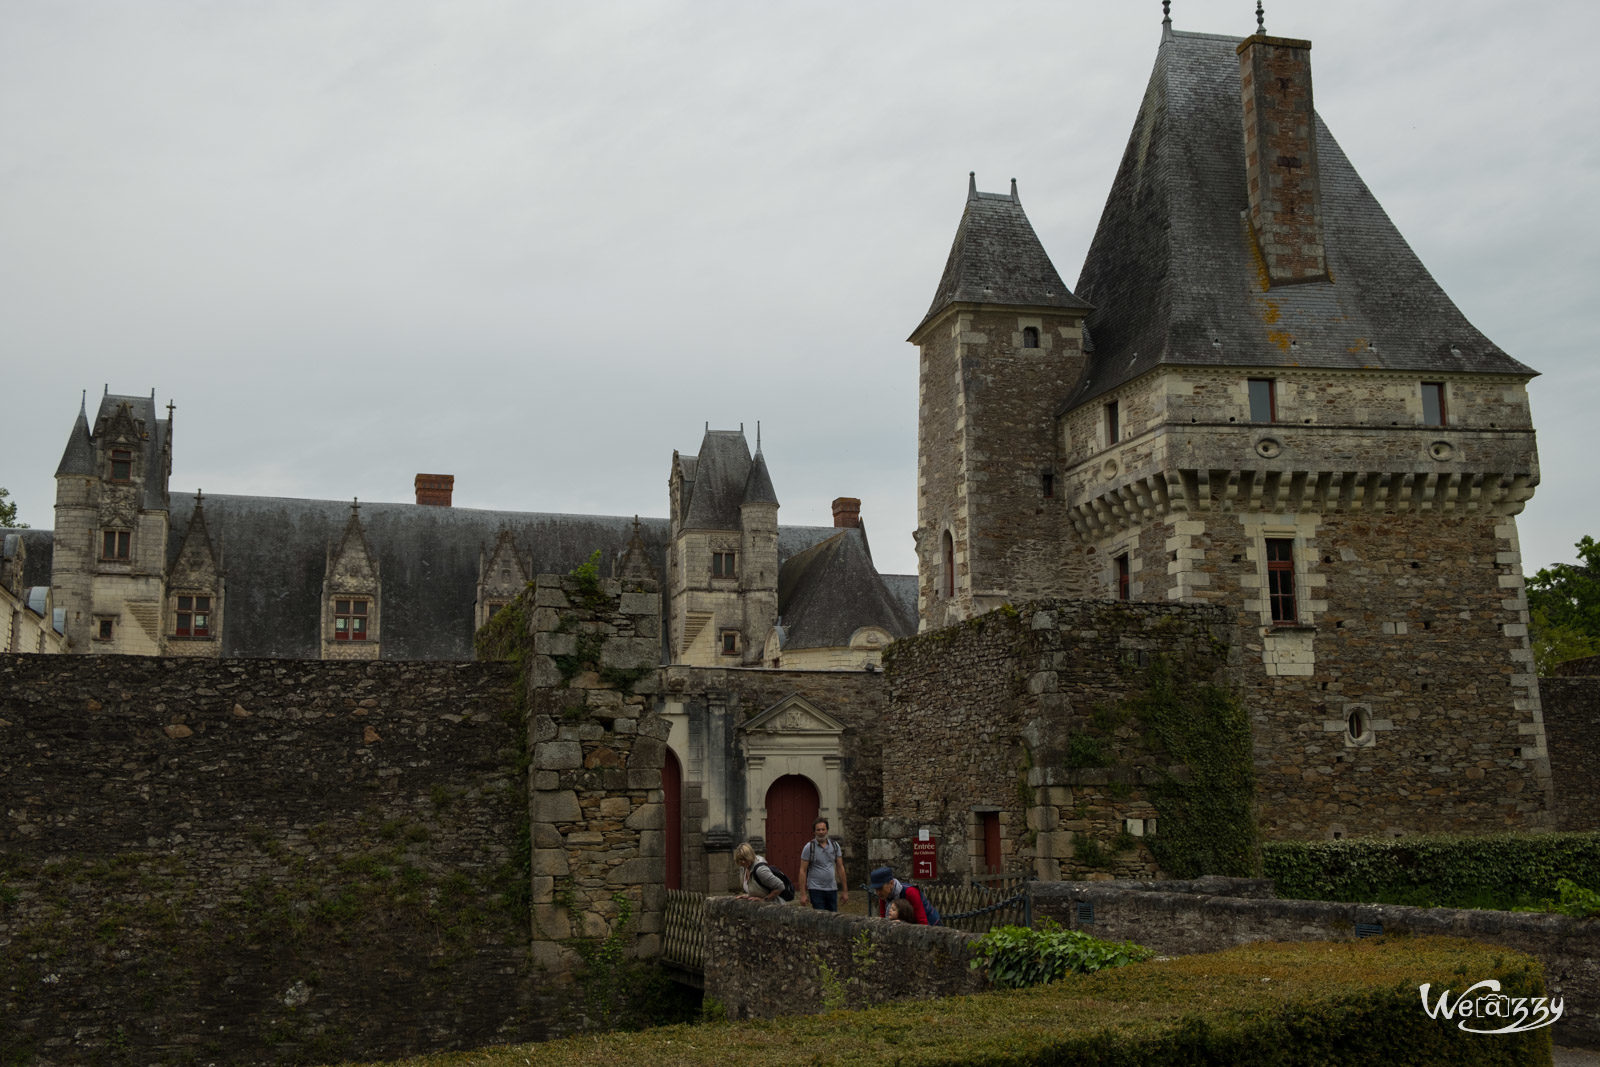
(350, 620)
(193, 617)
(1263, 400)
(121, 465)
(730, 642)
(722, 565)
(1433, 409)
(107, 627)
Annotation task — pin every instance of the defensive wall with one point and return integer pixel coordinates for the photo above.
(1571, 700)
(260, 860)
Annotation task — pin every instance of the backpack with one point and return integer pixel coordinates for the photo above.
(788, 886)
(927, 905)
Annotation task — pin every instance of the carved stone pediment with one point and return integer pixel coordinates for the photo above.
(794, 714)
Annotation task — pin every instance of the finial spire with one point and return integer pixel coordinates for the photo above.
(1261, 25)
(758, 436)
(972, 185)
(1014, 199)
(1166, 12)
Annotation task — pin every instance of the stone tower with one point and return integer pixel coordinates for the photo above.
(1001, 345)
(110, 550)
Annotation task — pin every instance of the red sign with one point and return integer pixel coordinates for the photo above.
(924, 860)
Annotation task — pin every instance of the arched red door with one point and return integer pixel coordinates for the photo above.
(672, 814)
(792, 806)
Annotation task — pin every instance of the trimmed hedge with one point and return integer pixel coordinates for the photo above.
(1498, 871)
(1299, 1003)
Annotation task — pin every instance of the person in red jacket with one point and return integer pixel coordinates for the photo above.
(889, 888)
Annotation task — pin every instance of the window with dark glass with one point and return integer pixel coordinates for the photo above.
(193, 617)
(1113, 424)
(1263, 400)
(1030, 337)
(121, 465)
(949, 565)
(730, 642)
(106, 626)
(350, 620)
(116, 544)
(722, 565)
(1433, 410)
(1280, 580)
(1047, 482)
(1123, 571)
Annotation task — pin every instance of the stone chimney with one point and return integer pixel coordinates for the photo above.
(846, 513)
(435, 489)
(1280, 148)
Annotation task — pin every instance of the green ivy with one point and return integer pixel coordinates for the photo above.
(1016, 956)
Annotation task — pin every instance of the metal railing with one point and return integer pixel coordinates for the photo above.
(683, 931)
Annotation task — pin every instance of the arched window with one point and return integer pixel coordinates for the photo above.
(949, 565)
(1030, 337)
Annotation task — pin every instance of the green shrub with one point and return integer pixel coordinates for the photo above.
(1498, 871)
(1016, 956)
(1577, 901)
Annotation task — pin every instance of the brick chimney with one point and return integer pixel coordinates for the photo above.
(435, 489)
(846, 513)
(1280, 149)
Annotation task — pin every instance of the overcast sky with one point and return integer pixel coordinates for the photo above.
(539, 246)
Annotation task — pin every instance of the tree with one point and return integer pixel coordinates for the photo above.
(8, 512)
(1564, 608)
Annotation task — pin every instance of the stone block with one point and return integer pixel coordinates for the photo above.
(554, 806)
(550, 861)
(551, 921)
(614, 807)
(544, 835)
(653, 843)
(647, 817)
(541, 728)
(641, 870)
(648, 752)
(630, 653)
(558, 755)
(554, 644)
(545, 780)
(647, 605)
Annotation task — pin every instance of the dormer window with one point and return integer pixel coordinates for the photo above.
(350, 619)
(193, 617)
(722, 565)
(1030, 337)
(1433, 409)
(121, 465)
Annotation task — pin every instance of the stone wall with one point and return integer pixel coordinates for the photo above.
(1182, 923)
(764, 960)
(597, 743)
(1015, 712)
(259, 860)
(1572, 728)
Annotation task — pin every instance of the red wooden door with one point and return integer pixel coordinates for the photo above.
(792, 805)
(672, 813)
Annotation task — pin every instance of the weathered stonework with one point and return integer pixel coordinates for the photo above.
(1571, 702)
(596, 746)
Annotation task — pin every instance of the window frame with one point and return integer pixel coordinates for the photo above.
(116, 545)
(1282, 591)
(1113, 423)
(1030, 337)
(724, 565)
(1441, 414)
(183, 616)
(344, 611)
(728, 642)
(120, 457)
(1271, 397)
(1124, 576)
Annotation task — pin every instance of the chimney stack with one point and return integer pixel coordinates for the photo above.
(846, 513)
(435, 489)
(1280, 149)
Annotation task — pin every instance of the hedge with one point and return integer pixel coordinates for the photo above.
(1438, 870)
(1296, 1003)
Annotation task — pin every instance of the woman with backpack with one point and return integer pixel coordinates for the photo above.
(760, 879)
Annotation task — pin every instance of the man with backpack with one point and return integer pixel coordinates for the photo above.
(822, 880)
(889, 889)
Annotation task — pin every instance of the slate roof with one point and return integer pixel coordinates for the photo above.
(832, 589)
(273, 553)
(996, 258)
(716, 481)
(1172, 272)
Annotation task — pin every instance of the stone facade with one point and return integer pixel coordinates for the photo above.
(1571, 703)
(27, 613)
(259, 861)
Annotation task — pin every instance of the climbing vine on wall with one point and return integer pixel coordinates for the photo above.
(1206, 810)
